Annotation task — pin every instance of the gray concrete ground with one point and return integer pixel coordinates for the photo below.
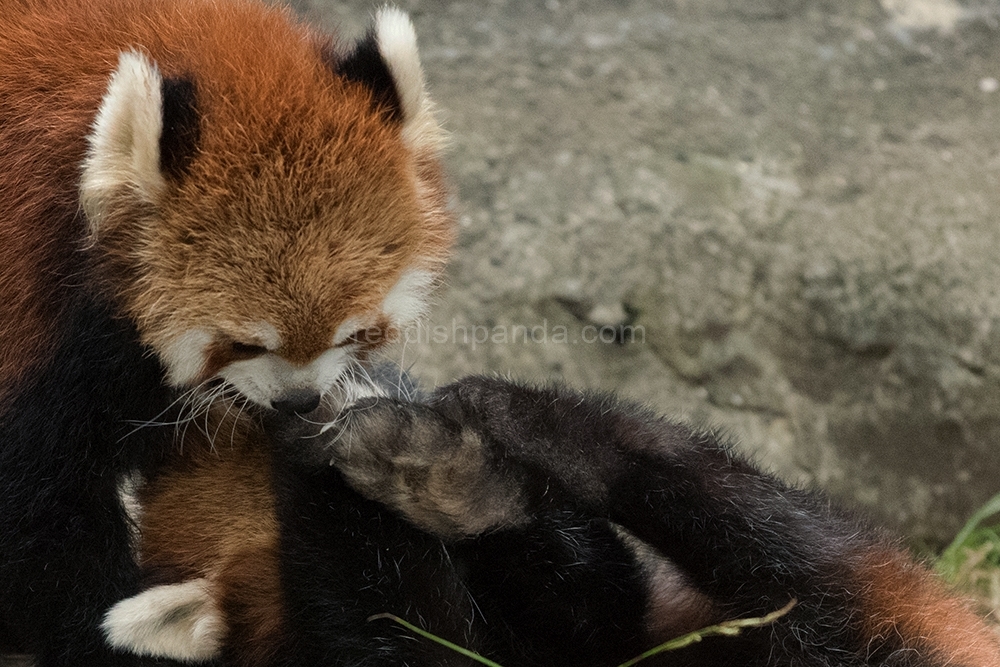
(792, 202)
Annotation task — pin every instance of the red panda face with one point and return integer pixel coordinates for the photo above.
(268, 222)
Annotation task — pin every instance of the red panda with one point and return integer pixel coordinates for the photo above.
(537, 526)
(198, 198)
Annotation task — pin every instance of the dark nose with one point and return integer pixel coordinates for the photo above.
(297, 401)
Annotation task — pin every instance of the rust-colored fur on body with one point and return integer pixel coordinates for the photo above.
(899, 598)
(210, 515)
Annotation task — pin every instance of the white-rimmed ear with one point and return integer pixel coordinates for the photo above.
(123, 146)
(176, 621)
(397, 42)
(387, 63)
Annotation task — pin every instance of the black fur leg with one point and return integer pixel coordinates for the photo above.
(744, 539)
(564, 586)
(343, 560)
(563, 589)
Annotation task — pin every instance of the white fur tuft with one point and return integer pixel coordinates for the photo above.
(407, 301)
(184, 356)
(397, 42)
(349, 327)
(128, 495)
(124, 144)
(176, 621)
(267, 377)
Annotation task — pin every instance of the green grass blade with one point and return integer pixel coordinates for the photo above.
(434, 638)
(726, 628)
(950, 558)
(991, 507)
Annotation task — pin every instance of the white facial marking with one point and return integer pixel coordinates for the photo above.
(178, 621)
(268, 377)
(397, 42)
(264, 332)
(407, 301)
(184, 357)
(124, 145)
(350, 326)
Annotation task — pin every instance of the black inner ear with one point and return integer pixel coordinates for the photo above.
(365, 65)
(181, 126)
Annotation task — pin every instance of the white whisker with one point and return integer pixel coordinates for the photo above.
(155, 421)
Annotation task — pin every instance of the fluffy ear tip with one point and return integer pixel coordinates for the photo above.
(390, 16)
(134, 57)
(395, 29)
(136, 65)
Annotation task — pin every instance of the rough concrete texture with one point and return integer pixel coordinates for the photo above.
(793, 202)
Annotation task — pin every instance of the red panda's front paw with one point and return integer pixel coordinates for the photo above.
(435, 471)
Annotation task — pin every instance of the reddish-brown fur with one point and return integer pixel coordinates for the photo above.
(211, 514)
(900, 598)
(39, 169)
(258, 74)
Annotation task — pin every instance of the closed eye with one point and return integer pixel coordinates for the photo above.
(367, 337)
(240, 351)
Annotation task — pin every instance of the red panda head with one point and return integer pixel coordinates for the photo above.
(269, 209)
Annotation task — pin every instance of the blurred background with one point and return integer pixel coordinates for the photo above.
(776, 218)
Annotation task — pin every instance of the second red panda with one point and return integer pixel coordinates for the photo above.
(538, 526)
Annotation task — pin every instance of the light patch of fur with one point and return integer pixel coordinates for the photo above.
(350, 326)
(124, 148)
(177, 621)
(397, 42)
(407, 301)
(268, 377)
(128, 496)
(460, 496)
(184, 357)
(442, 484)
(353, 391)
(263, 333)
(345, 394)
(674, 606)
